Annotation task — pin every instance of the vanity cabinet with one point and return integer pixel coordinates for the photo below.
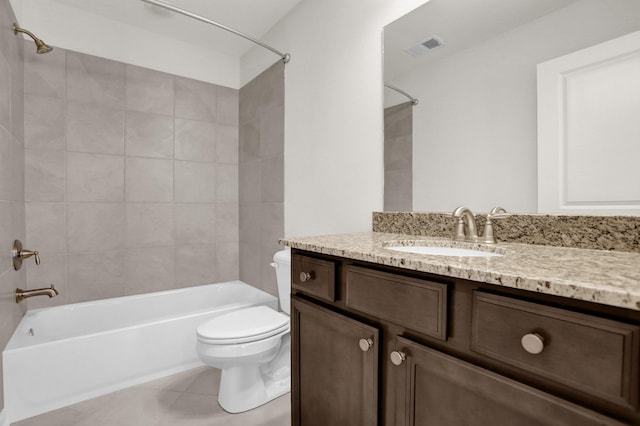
(335, 368)
(377, 345)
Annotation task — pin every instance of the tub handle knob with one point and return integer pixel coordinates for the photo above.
(18, 254)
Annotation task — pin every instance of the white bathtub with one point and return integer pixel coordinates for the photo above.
(66, 354)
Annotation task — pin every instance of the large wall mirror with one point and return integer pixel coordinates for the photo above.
(473, 70)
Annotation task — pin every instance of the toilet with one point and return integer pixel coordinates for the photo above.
(252, 348)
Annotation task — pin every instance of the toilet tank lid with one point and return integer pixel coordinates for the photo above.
(247, 322)
(283, 257)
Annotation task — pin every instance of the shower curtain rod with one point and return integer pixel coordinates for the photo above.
(285, 56)
(414, 101)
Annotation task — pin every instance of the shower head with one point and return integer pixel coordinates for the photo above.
(41, 46)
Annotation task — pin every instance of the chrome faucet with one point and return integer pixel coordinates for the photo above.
(24, 294)
(465, 229)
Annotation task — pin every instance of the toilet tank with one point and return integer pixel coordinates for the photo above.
(282, 265)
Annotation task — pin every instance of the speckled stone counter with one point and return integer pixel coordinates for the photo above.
(620, 233)
(606, 277)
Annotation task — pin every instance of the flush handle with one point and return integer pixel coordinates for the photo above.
(533, 343)
(18, 254)
(306, 276)
(365, 344)
(397, 357)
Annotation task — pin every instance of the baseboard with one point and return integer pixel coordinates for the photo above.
(3, 418)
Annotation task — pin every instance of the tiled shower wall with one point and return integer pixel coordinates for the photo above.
(261, 176)
(398, 157)
(131, 179)
(12, 219)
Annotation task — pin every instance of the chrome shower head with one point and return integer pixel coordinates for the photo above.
(41, 46)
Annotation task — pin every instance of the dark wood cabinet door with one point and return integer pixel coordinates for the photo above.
(434, 389)
(335, 375)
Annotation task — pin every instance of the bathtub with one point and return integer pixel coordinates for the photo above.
(66, 354)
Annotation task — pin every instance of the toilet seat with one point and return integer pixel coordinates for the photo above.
(242, 326)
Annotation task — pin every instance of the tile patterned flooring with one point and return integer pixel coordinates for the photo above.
(184, 399)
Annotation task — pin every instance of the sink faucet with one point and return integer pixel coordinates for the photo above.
(24, 294)
(488, 235)
(465, 229)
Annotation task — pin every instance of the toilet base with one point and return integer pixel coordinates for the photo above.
(249, 386)
(245, 388)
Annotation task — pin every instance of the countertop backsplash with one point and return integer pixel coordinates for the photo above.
(619, 233)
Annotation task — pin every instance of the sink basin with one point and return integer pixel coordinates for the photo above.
(443, 251)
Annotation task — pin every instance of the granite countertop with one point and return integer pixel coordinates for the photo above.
(600, 276)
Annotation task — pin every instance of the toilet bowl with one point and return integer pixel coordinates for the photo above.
(252, 348)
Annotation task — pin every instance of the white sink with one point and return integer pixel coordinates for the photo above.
(443, 251)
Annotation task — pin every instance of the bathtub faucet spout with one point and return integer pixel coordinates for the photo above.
(24, 294)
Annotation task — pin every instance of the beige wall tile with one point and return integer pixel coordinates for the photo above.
(227, 138)
(7, 180)
(195, 182)
(93, 227)
(272, 179)
(91, 79)
(44, 123)
(44, 175)
(195, 140)
(149, 225)
(46, 228)
(100, 164)
(227, 261)
(195, 265)
(94, 128)
(149, 269)
(226, 183)
(149, 180)
(149, 91)
(96, 276)
(95, 177)
(195, 223)
(227, 222)
(195, 100)
(149, 135)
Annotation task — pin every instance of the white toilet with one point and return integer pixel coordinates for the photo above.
(252, 348)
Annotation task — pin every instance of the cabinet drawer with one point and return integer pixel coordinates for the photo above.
(590, 354)
(418, 305)
(437, 389)
(313, 276)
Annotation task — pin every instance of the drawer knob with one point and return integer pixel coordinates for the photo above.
(532, 343)
(397, 357)
(365, 344)
(306, 276)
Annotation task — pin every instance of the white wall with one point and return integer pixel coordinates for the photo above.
(75, 29)
(333, 111)
(475, 130)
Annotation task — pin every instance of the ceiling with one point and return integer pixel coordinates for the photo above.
(252, 17)
(460, 23)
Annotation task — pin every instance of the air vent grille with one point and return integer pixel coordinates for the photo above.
(425, 45)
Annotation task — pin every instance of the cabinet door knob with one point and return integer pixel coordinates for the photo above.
(305, 276)
(397, 357)
(365, 344)
(532, 343)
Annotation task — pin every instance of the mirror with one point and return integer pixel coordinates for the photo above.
(474, 130)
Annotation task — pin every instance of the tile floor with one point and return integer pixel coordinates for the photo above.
(185, 399)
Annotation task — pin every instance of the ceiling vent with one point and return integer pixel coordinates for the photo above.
(425, 46)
